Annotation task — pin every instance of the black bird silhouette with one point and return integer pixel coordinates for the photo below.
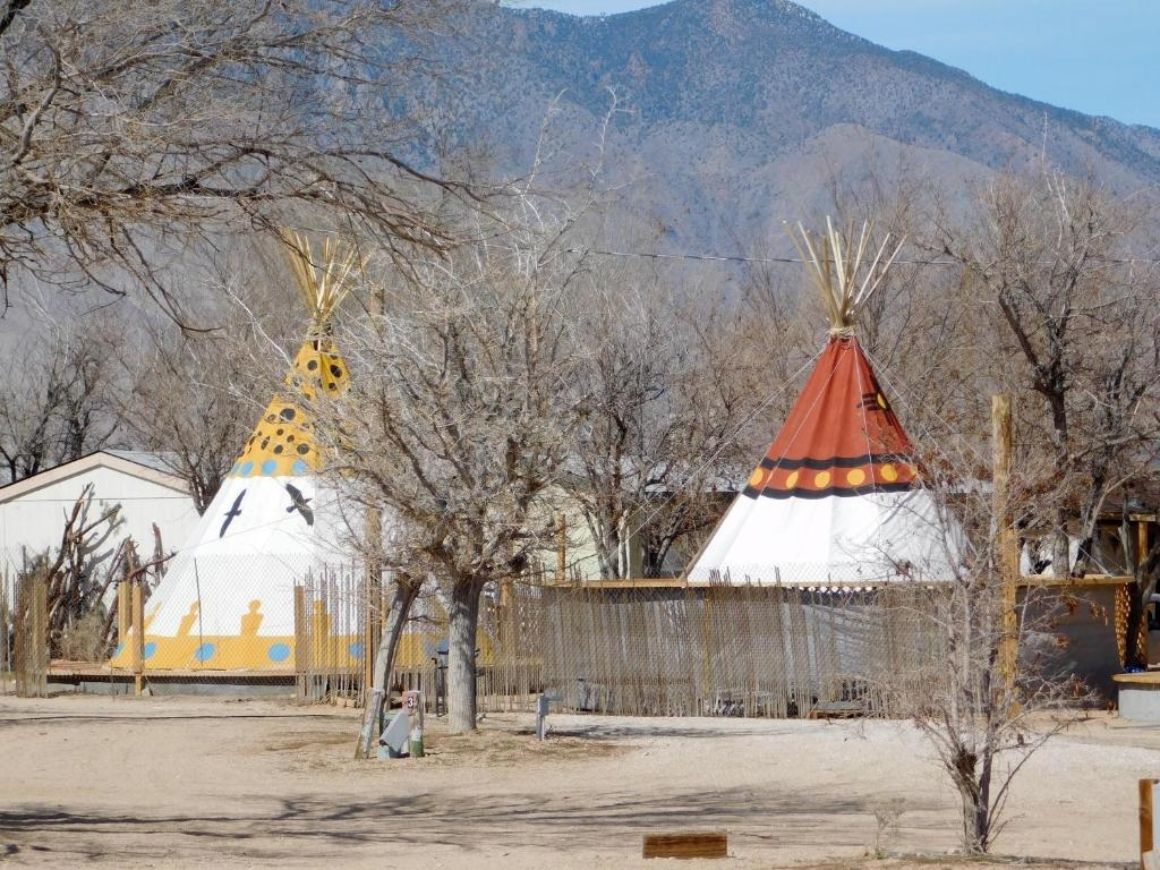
(235, 511)
(300, 503)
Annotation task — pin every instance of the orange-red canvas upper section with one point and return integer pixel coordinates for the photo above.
(840, 438)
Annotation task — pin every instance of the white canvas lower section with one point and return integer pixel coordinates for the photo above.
(266, 548)
(841, 539)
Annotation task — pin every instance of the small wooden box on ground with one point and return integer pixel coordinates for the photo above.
(693, 844)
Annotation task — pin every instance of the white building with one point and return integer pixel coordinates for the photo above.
(33, 511)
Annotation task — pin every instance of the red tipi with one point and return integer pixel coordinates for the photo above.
(838, 496)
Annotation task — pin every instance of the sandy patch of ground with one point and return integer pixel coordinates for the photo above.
(182, 782)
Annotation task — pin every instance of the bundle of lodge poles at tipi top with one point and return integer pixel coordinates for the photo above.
(838, 498)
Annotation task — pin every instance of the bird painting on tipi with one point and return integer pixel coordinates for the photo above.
(838, 496)
(227, 600)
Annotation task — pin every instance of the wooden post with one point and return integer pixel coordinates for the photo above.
(32, 653)
(375, 605)
(124, 609)
(1141, 557)
(1007, 545)
(138, 638)
(373, 617)
(561, 548)
(301, 646)
(1147, 836)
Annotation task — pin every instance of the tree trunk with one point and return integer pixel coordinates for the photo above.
(464, 619)
(975, 818)
(1060, 547)
(406, 591)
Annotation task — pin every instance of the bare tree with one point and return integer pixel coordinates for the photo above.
(57, 402)
(193, 404)
(1052, 258)
(129, 129)
(458, 421)
(1002, 689)
(663, 387)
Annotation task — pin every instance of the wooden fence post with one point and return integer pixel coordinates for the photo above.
(32, 638)
(301, 646)
(124, 608)
(138, 637)
(1147, 824)
(561, 548)
(1007, 546)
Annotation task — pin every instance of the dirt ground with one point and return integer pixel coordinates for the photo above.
(184, 782)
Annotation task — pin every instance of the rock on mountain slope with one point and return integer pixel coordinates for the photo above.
(737, 111)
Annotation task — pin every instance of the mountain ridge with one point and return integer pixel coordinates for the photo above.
(716, 96)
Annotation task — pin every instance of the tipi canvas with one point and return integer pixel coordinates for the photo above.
(838, 496)
(227, 600)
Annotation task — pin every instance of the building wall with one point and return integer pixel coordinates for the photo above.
(35, 520)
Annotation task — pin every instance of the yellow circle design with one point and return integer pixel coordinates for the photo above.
(855, 476)
(791, 481)
(822, 480)
(882, 401)
(889, 473)
(757, 478)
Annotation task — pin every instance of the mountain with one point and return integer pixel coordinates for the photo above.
(734, 114)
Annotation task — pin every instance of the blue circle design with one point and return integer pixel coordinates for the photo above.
(299, 467)
(150, 648)
(355, 650)
(278, 652)
(246, 468)
(269, 466)
(117, 651)
(205, 652)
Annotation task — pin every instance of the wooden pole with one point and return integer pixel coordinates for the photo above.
(1141, 557)
(138, 638)
(373, 622)
(124, 608)
(1007, 545)
(373, 617)
(561, 547)
(1147, 844)
(301, 646)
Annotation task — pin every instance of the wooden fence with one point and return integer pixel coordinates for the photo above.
(6, 625)
(745, 651)
(329, 613)
(680, 651)
(30, 647)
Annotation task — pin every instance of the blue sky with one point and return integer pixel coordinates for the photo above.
(1101, 57)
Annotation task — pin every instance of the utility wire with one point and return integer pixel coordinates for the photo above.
(739, 258)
